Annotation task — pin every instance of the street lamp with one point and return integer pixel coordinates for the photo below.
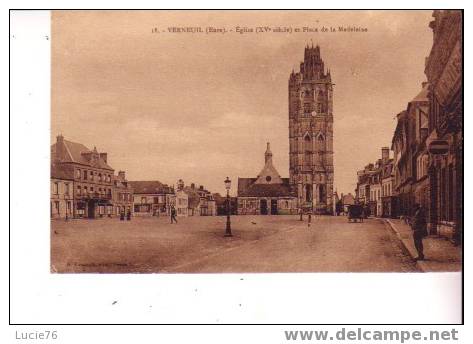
(228, 184)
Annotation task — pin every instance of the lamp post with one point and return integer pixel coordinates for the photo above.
(228, 230)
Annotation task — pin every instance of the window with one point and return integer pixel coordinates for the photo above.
(78, 189)
(322, 193)
(307, 151)
(143, 200)
(66, 191)
(100, 177)
(78, 174)
(85, 189)
(306, 108)
(56, 188)
(56, 207)
(85, 175)
(268, 178)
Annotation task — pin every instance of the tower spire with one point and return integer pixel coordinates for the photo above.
(268, 155)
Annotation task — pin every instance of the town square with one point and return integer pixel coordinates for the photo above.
(234, 158)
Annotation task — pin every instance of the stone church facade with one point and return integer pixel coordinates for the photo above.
(268, 193)
(310, 183)
(311, 134)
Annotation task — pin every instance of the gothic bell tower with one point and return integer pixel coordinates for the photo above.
(311, 133)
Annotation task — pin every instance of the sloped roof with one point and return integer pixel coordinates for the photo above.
(248, 188)
(150, 187)
(61, 172)
(74, 152)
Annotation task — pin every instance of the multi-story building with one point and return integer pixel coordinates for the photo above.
(152, 198)
(374, 187)
(403, 173)
(409, 145)
(201, 202)
(444, 73)
(122, 195)
(91, 174)
(375, 190)
(182, 199)
(363, 192)
(311, 133)
(388, 199)
(268, 193)
(62, 193)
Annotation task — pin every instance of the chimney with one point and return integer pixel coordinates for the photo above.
(201, 187)
(104, 158)
(60, 148)
(180, 184)
(192, 186)
(385, 154)
(121, 174)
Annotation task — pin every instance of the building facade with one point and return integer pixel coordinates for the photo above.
(152, 198)
(201, 202)
(388, 199)
(92, 176)
(411, 184)
(182, 200)
(444, 71)
(62, 193)
(267, 194)
(375, 185)
(122, 195)
(311, 134)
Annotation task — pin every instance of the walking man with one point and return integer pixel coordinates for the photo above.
(173, 214)
(419, 227)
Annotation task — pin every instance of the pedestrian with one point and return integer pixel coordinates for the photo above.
(419, 228)
(173, 214)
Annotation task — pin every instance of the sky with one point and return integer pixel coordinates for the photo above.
(201, 107)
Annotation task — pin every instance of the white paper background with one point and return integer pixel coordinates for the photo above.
(40, 297)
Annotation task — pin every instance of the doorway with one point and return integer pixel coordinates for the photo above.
(274, 207)
(308, 193)
(263, 207)
(91, 210)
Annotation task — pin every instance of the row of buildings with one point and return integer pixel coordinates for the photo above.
(83, 185)
(419, 172)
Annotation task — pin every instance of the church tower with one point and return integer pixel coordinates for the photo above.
(311, 133)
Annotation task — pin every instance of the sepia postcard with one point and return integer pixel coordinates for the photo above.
(256, 141)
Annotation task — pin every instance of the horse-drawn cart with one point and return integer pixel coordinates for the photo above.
(355, 213)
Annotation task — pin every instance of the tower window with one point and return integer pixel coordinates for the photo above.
(306, 108)
(268, 178)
